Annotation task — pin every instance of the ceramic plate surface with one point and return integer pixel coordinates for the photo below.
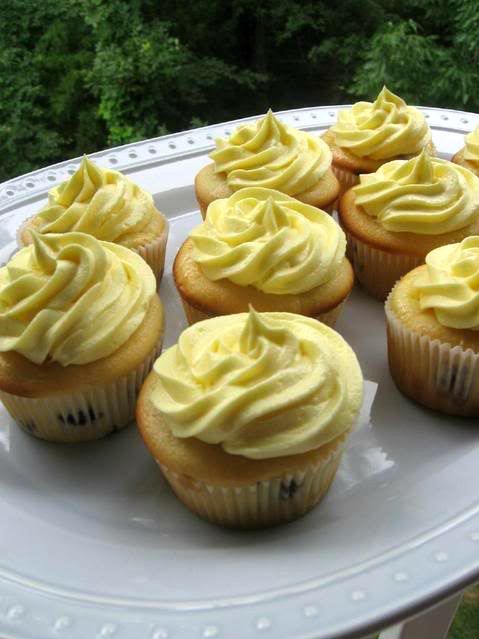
(94, 545)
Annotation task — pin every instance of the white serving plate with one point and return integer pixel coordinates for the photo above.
(94, 544)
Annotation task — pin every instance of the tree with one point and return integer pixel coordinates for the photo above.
(81, 75)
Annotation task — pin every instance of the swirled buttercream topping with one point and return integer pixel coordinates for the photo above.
(269, 240)
(271, 155)
(260, 385)
(424, 195)
(471, 150)
(100, 202)
(450, 286)
(72, 299)
(383, 129)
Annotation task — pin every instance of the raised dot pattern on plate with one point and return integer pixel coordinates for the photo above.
(441, 557)
(263, 623)
(358, 595)
(106, 631)
(310, 611)
(62, 623)
(15, 612)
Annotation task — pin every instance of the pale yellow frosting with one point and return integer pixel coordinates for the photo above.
(269, 240)
(261, 385)
(424, 195)
(451, 284)
(272, 155)
(101, 202)
(72, 299)
(471, 150)
(385, 128)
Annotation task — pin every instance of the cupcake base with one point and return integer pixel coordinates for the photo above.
(86, 401)
(203, 298)
(346, 178)
(380, 257)
(83, 415)
(431, 372)
(154, 253)
(377, 271)
(258, 504)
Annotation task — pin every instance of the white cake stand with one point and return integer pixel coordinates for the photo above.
(94, 545)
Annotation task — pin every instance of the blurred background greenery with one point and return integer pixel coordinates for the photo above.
(81, 75)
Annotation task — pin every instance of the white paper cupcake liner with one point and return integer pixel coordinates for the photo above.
(259, 504)
(82, 415)
(154, 253)
(432, 372)
(347, 179)
(377, 271)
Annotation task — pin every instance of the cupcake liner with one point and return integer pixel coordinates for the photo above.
(259, 504)
(347, 179)
(376, 270)
(81, 415)
(154, 253)
(432, 372)
(194, 315)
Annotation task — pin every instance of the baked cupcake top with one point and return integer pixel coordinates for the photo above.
(450, 285)
(386, 128)
(424, 195)
(270, 154)
(471, 149)
(269, 240)
(72, 299)
(260, 385)
(101, 202)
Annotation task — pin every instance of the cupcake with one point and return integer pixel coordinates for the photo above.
(395, 216)
(469, 155)
(369, 134)
(107, 205)
(248, 415)
(433, 330)
(80, 327)
(267, 249)
(269, 154)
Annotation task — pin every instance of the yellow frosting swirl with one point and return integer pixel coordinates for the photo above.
(451, 284)
(271, 155)
(100, 202)
(261, 385)
(269, 240)
(383, 129)
(72, 299)
(424, 195)
(471, 150)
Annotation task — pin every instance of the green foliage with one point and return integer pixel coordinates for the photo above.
(79, 75)
(466, 621)
(438, 68)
